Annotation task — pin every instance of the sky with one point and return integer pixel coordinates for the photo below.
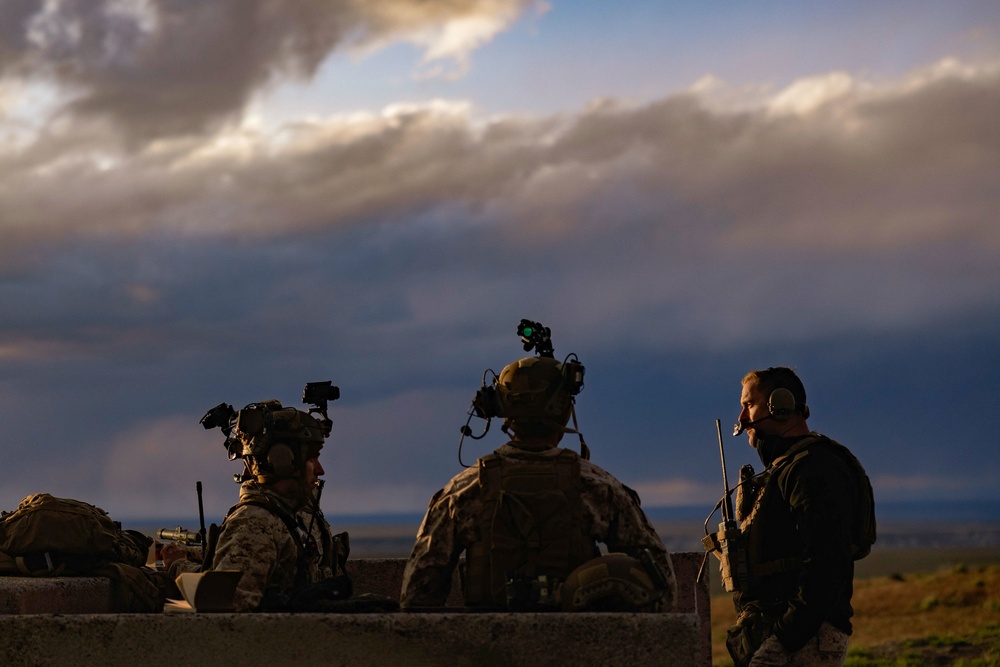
(205, 202)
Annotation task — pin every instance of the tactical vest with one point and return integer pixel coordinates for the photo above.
(531, 531)
(335, 548)
(768, 501)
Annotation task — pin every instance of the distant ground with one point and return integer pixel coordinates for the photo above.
(913, 607)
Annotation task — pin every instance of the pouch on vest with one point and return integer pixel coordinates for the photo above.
(531, 532)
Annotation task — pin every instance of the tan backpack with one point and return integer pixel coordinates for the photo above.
(50, 537)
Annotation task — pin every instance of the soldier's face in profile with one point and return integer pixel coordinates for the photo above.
(754, 405)
(314, 470)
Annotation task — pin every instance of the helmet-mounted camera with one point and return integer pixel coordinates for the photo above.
(532, 386)
(319, 394)
(533, 389)
(535, 336)
(256, 432)
(221, 416)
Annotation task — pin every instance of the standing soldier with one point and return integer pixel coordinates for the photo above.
(531, 513)
(806, 519)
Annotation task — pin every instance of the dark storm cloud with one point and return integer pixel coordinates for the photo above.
(167, 67)
(672, 244)
(868, 179)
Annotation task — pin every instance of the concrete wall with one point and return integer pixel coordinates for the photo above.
(58, 622)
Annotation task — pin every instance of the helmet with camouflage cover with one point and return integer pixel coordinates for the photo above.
(275, 441)
(614, 582)
(535, 395)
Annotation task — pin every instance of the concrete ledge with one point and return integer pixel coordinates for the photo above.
(387, 640)
(67, 620)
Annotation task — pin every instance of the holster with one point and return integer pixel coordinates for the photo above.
(744, 638)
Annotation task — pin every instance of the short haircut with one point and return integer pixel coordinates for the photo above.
(778, 377)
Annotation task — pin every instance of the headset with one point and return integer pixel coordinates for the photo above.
(781, 406)
(492, 401)
(259, 425)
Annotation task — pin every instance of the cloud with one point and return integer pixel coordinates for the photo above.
(862, 169)
(445, 31)
(167, 67)
(393, 252)
(923, 486)
(893, 182)
(150, 471)
(677, 493)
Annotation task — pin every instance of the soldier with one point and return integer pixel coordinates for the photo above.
(531, 513)
(809, 515)
(276, 534)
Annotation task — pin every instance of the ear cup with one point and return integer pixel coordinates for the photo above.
(781, 404)
(281, 459)
(487, 403)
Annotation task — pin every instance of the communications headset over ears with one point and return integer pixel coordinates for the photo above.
(262, 433)
(565, 382)
(781, 405)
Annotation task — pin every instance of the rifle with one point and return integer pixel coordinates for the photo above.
(727, 543)
(187, 537)
(180, 535)
(202, 541)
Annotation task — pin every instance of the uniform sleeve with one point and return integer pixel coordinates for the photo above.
(817, 489)
(619, 522)
(247, 543)
(447, 529)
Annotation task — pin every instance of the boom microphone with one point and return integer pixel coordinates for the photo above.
(739, 427)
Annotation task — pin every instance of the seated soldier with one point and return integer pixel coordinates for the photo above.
(530, 514)
(276, 534)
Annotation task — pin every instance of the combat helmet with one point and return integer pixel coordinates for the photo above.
(274, 441)
(613, 582)
(533, 395)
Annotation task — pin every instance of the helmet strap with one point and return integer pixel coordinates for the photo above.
(584, 449)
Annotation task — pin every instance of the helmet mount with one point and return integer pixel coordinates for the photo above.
(275, 441)
(535, 396)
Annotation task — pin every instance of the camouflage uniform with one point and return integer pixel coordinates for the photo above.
(827, 648)
(611, 514)
(257, 542)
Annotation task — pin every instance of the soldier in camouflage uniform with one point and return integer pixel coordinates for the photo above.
(531, 513)
(276, 534)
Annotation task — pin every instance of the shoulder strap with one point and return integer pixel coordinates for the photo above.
(293, 529)
(796, 451)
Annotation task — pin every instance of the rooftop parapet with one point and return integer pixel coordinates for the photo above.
(68, 621)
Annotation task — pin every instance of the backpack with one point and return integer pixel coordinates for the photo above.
(863, 529)
(50, 536)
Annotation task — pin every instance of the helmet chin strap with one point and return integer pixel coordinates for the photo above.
(315, 507)
(584, 449)
(556, 428)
